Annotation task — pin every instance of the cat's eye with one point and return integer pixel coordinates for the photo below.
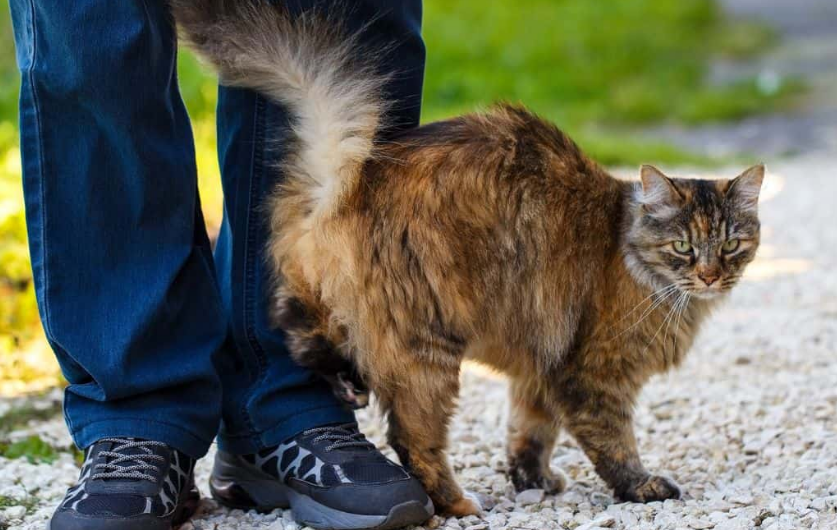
(731, 245)
(682, 247)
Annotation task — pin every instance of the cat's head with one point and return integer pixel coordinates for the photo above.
(698, 235)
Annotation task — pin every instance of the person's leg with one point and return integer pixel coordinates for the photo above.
(267, 397)
(122, 265)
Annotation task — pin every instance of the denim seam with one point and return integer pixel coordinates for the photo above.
(257, 169)
(256, 165)
(179, 428)
(41, 179)
(47, 319)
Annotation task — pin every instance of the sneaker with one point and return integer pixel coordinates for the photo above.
(330, 477)
(129, 484)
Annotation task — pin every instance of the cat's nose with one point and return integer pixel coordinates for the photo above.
(708, 277)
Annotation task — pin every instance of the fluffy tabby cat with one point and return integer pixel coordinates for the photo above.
(490, 236)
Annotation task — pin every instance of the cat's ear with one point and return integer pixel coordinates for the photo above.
(744, 189)
(659, 196)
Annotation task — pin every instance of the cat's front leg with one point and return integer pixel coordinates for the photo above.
(600, 417)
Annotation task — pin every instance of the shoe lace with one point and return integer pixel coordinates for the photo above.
(340, 436)
(119, 464)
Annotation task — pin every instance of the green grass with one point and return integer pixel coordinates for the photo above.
(583, 64)
(29, 504)
(597, 68)
(32, 448)
(36, 451)
(592, 66)
(22, 416)
(8, 77)
(588, 66)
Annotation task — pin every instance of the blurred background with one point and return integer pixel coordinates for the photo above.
(600, 70)
(699, 87)
(695, 83)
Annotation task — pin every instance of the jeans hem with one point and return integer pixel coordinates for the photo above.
(172, 435)
(249, 443)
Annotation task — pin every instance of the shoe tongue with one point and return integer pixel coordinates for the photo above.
(106, 480)
(134, 451)
(350, 446)
(138, 451)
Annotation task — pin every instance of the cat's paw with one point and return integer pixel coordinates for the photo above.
(467, 505)
(351, 391)
(654, 488)
(525, 478)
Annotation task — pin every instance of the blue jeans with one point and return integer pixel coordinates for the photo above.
(158, 337)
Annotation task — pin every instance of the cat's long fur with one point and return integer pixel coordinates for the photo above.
(490, 236)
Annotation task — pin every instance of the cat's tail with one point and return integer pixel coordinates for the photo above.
(313, 67)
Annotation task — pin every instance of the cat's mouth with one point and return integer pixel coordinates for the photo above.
(706, 292)
(702, 291)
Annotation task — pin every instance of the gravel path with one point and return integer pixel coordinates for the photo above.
(747, 426)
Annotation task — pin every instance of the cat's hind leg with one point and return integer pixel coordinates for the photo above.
(533, 429)
(420, 400)
(310, 347)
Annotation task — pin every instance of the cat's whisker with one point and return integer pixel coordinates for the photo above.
(665, 296)
(662, 293)
(677, 304)
(682, 312)
(675, 310)
(666, 289)
(661, 297)
(673, 317)
(679, 318)
(668, 315)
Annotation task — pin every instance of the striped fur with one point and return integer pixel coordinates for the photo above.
(489, 236)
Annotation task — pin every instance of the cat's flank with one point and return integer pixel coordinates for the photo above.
(490, 236)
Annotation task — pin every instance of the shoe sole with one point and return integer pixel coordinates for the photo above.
(236, 490)
(186, 508)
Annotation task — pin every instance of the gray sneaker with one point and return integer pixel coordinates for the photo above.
(129, 484)
(331, 478)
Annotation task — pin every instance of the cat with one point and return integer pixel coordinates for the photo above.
(489, 236)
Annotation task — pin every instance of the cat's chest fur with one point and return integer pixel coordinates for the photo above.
(646, 337)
